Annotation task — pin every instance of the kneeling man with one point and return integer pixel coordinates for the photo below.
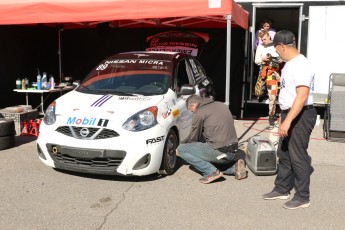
(212, 141)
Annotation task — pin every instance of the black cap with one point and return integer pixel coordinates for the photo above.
(284, 37)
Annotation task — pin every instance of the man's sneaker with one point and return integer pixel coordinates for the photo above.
(274, 195)
(295, 204)
(213, 176)
(240, 170)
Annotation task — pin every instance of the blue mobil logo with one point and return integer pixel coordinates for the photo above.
(87, 121)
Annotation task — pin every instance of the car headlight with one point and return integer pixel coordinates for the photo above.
(142, 120)
(49, 115)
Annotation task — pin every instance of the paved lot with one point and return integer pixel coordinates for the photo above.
(33, 196)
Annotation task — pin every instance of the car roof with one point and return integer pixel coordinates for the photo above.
(156, 55)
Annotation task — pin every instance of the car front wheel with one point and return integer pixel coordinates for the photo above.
(169, 159)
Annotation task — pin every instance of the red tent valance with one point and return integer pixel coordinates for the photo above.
(183, 13)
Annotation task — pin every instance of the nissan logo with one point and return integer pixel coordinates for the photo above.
(84, 132)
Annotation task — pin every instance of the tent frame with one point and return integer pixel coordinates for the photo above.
(129, 14)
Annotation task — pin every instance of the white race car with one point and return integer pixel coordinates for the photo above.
(126, 117)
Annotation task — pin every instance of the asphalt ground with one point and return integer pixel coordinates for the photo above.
(34, 196)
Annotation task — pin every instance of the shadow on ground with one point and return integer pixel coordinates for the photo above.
(20, 140)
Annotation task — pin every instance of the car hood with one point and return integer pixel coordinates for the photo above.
(106, 106)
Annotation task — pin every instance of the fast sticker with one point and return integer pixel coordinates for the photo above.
(154, 140)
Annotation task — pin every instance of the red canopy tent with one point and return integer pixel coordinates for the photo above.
(129, 13)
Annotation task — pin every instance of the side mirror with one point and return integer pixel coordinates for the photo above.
(186, 90)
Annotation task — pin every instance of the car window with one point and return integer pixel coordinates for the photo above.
(197, 71)
(200, 78)
(182, 76)
(128, 78)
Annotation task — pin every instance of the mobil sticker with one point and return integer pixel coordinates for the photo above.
(89, 121)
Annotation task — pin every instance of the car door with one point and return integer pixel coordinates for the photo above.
(183, 76)
(204, 85)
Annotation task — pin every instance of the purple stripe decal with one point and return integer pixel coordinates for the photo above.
(105, 100)
(101, 100)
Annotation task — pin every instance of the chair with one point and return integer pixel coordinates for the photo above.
(334, 119)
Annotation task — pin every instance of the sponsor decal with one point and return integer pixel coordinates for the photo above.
(103, 122)
(135, 98)
(102, 67)
(154, 140)
(151, 62)
(118, 61)
(189, 51)
(195, 69)
(175, 113)
(168, 112)
(105, 65)
(101, 101)
(156, 67)
(177, 41)
(87, 121)
(205, 82)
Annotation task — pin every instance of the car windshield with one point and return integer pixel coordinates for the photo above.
(128, 79)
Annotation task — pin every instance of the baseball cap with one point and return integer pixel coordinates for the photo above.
(284, 37)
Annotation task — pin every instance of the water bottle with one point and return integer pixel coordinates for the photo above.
(51, 82)
(39, 83)
(23, 84)
(18, 84)
(44, 80)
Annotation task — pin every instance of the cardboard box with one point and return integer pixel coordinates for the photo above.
(18, 118)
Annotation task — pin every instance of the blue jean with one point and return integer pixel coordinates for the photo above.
(203, 157)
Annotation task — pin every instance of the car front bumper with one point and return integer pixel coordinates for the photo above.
(130, 153)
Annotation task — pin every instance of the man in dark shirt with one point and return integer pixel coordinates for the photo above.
(212, 140)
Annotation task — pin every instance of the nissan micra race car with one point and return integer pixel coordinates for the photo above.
(126, 117)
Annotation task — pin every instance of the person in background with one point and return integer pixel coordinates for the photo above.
(298, 117)
(212, 140)
(266, 25)
(269, 63)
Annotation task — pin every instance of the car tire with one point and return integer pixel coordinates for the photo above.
(7, 142)
(7, 127)
(169, 159)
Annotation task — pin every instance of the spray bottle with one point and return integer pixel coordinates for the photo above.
(51, 82)
(39, 83)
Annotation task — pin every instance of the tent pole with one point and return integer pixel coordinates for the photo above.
(228, 49)
(59, 53)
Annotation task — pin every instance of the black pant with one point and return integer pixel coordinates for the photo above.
(294, 162)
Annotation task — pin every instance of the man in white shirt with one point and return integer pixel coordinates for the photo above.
(298, 119)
